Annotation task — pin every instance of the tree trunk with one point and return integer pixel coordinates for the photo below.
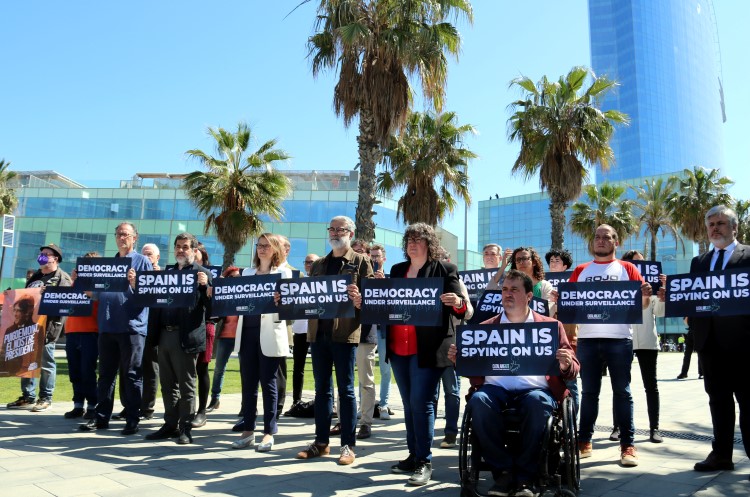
(557, 206)
(228, 258)
(370, 155)
(654, 234)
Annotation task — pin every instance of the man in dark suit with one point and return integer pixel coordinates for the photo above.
(719, 342)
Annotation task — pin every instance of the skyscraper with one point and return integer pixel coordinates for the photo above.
(665, 56)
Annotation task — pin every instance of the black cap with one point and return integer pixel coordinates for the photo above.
(54, 248)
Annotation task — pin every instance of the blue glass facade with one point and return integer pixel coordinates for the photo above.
(665, 56)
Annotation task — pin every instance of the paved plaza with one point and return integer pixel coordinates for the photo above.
(42, 454)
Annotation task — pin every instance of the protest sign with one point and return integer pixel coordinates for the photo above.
(169, 288)
(717, 293)
(102, 274)
(650, 270)
(558, 277)
(215, 271)
(491, 304)
(22, 334)
(600, 302)
(413, 301)
(244, 295)
(65, 301)
(476, 281)
(320, 297)
(508, 349)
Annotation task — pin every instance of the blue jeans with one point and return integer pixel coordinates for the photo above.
(82, 351)
(419, 393)
(47, 382)
(385, 368)
(451, 388)
(618, 353)
(224, 348)
(325, 355)
(535, 407)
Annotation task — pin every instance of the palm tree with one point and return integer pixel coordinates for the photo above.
(8, 199)
(742, 209)
(429, 160)
(562, 130)
(238, 187)
(698, 190)
(605, 205)
(652, 201)
(377, 45)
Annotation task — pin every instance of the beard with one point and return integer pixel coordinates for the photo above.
(604, 252)
(184, 261)
(338, 243)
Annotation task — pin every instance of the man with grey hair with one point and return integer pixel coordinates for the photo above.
(334, 343)
(719, 341)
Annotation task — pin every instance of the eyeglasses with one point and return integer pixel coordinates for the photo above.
(338, 231)
(122, 234)
(414, 240)
(308, 262)
(522, 259)
(263, 246)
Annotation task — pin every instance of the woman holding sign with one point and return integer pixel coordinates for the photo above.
(419, 354)
(263, 345)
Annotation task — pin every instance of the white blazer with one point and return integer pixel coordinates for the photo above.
(274, 340)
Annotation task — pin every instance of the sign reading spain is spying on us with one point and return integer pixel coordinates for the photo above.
(650, 270)
(600, 302)
(168, 288)
(319, 297)
(508, 349)
(244, 295)
(411, 301)
(722, 293)
(102, 274)
(476, 281)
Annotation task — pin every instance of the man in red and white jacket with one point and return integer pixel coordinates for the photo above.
(610, 343)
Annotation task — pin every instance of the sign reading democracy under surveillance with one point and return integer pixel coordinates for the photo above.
(600, 302)
(476, 281)
(319, 297)
(559, 277)
(650, 270)
(168, 288)
(246, 295)
(65, 301)
(508, 349)
(412, 301)
(490, 304)
(722, 293)
(102, 274)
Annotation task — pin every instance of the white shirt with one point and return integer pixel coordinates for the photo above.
(728, 251)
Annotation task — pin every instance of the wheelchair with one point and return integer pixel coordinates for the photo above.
(559, 465)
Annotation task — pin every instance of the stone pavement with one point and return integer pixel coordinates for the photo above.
(42, 454)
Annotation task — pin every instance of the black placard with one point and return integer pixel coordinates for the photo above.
(413, 301)
(716, 293)
(508, 349)
(600, 302)
(319, 297)
(215, 271)
(244, 295)
(169, 288)
(476, 281)
(65, 301)
(102, 274)
(650, 270)
(490, 304)
(558, 277)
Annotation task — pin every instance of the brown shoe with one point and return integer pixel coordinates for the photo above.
(585, 449)
(314, 450)
(347, 455)
(714, 463)
(336, 430)
(364, 432)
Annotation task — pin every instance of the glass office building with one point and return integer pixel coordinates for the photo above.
(53, 208)
(665, 56)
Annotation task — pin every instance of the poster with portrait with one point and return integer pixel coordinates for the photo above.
(22, 334)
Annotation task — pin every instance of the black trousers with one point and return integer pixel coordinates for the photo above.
(300, 357)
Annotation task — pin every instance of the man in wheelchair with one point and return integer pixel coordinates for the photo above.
(534, 397)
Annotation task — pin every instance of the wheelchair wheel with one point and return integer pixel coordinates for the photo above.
(570, 467)
(468, 471)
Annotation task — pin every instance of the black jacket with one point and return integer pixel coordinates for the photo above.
(192, 320)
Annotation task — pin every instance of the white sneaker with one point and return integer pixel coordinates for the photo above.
(384, 413)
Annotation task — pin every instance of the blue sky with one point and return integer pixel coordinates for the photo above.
(99, 91)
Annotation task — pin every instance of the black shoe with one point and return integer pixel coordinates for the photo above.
(293, 409)
(655, 436)
(146, 414)
(93, 425)
(121, 416)
(184, 437)
(408, 465)
(526, 489)
(336, 430)
(681, 376)
(163, 433)
(77, 412)
(213, 405)
(503, 485)
(714, 463)
(239, 426)
(615, 435)
(700, 376)
(90, 414)
(422, 474)
(198, 420)
(131, 428)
